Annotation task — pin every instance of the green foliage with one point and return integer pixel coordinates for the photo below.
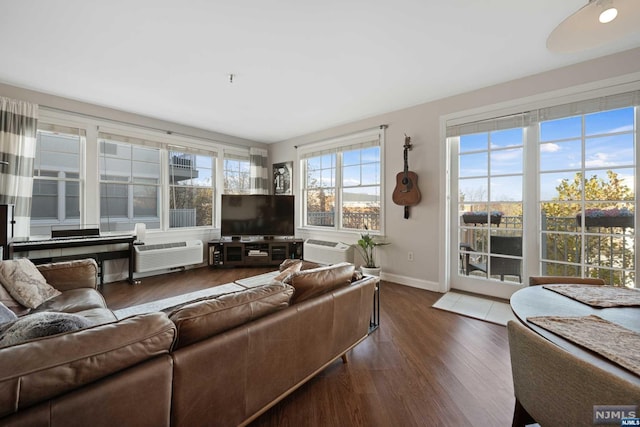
(602, 192)
(604, 249)
(366, 245)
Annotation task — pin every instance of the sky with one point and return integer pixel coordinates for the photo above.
(605, 140)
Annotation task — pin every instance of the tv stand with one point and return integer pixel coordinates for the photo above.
(261, 252)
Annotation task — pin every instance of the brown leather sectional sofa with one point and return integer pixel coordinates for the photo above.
(215, 362)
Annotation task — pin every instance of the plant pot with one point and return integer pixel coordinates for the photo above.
(370, 271)
(606, 221)
(470, 218)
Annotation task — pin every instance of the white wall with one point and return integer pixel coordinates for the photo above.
(423, 233)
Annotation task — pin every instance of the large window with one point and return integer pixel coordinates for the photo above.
(560, 179)
(342, 184)
(191, 184)
(587, 196)
(237, 174)
(129, 183)
(57, 179)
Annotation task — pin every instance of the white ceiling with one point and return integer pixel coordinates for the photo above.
(300, 66)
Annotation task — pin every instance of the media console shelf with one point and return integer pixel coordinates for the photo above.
(232, 253)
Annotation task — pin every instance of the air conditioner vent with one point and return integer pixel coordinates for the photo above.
(324, 252)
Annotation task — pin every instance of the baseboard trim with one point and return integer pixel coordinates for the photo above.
(411, 281)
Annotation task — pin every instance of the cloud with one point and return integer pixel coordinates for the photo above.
(549, 148)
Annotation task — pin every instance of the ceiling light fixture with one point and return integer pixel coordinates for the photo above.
(584, 29)
(608, 15)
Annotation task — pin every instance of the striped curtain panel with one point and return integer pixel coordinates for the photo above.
(18, 126)
(259, 171)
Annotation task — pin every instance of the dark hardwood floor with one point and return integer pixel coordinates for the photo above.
(422, 367)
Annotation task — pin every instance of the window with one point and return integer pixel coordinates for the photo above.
(129, 183)
(191, 184)
(237, 174)
(342, 184)
(587, 197)
(57, 179)
(573, 204)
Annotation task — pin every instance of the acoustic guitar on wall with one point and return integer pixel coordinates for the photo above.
(406, 192)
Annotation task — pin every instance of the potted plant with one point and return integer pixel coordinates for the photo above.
(366, 245)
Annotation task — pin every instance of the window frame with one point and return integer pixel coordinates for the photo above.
(52, 127)
(131, 182)
(171, 187)
(238, 158)
(546, 105)
(337, 146)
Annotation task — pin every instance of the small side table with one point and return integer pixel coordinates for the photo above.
(375, 314)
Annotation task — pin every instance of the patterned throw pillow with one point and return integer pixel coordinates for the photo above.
(11, 303)
(25, 283)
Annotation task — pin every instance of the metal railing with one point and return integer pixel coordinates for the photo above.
(356, 220)
(608, 251)
(182, 218)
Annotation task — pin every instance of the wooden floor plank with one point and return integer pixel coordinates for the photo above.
(422, 367)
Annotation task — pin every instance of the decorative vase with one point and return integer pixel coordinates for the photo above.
(370, 271)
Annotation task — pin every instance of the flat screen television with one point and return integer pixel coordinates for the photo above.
(257, 215)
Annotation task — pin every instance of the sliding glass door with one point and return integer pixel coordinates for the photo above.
(545, 192)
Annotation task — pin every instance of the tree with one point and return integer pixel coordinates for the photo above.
(605, 249)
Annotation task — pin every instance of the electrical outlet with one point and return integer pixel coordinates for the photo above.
(410, 256)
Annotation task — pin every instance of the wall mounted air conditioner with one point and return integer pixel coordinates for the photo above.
(168, 255)
(324, 252)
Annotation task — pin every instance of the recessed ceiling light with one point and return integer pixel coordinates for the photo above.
(608, 15)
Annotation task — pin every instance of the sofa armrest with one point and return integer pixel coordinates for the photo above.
(44, 368)
(66, 275)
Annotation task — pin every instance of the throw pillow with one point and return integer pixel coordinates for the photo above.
(6, 315)
(304, 265)
(25, 283)
(39, 325)
(317, 281)
(289, 270)
(11, 303)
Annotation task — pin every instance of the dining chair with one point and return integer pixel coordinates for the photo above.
(550, 280)
(555, 387)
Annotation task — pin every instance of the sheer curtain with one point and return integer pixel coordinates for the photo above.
(259, 171)
(18, 127)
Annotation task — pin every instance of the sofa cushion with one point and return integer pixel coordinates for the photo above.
(65, 275)
(39, 325)
(317, 281)
(210, 316)
(25, 283)
(74, 301)
(11, 303)
(38, 370)
(6, 315)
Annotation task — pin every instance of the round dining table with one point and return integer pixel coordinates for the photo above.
(535, 301)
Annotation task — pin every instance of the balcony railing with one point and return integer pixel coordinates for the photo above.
(608, 252)
(356, 220)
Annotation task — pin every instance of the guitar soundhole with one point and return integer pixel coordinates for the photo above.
(405, 181)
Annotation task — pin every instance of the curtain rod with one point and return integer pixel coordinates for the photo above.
(122, 122)
(381, 127)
